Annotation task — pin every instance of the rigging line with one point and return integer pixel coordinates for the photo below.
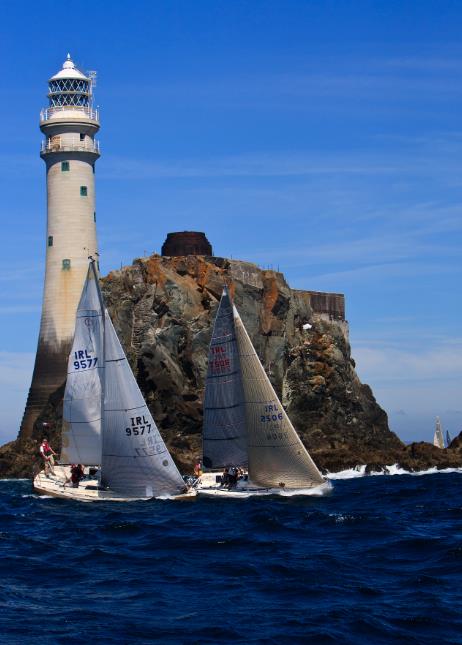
(124, 456)
(138, 407)
(268, 445)
(222, 375)
(225, 407)
(205, 438)
(222, 340)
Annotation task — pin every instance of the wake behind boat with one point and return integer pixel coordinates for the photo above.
(246, 429)
(106, 422)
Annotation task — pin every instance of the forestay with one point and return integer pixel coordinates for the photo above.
(277, 456)
(224, 437)
(135, 460)
(81, 433)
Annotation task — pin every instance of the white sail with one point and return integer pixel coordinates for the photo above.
(448, 439)
(135, 459)
(81, 433)
(224, 437)
(438, 439)
(276, 454)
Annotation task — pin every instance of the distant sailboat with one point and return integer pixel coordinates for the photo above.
(245, 424)
(438, 439)
(106, 421)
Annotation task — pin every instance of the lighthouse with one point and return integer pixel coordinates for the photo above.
(69, 149)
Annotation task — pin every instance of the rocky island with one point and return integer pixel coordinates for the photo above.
(163, 310)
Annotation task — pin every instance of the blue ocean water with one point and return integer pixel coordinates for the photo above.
(378, 560)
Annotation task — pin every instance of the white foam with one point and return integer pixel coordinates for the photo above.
(322, 489)
(393, 469)
(316, 491)
(350, 473)
(14, 479)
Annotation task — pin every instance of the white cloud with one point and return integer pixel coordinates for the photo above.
(391, 363)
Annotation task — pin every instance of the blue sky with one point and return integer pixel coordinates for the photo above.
(323, 138)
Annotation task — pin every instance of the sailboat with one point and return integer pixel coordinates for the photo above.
(106, 422)
(245, 424)
(438, 438)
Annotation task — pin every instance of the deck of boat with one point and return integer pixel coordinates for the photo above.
(88, 489)
(209, 485)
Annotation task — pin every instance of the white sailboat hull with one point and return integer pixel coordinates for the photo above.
(88, 489)
(208, 486)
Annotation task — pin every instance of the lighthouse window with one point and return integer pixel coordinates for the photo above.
(83, 191)
(82, 137)
(64, 166)
(94, 216)
(50, 240)
(66, 265)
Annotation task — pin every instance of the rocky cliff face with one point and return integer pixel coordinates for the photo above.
(163, 310)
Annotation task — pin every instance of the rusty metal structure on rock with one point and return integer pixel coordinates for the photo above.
(186, 243)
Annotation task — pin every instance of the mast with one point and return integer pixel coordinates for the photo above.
(81, 429)
(103, 355)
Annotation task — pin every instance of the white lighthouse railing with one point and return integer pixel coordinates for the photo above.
(60, 111)
(53, 145)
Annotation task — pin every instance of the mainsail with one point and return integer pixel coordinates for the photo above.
(135, 459)
(224, 436)
(448, 439)
(438, 439)
(81, 433)
(276, 454)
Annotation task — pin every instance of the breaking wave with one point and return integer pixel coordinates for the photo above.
(394, 469)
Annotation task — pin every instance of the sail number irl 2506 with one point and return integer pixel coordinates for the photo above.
(83, 360)
(274, 414)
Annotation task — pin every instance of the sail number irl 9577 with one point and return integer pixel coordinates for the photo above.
(83, 360)
(138, 426)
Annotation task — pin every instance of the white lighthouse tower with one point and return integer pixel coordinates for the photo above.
(70, 151)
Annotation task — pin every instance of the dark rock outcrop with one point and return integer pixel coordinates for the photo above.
(163, 310)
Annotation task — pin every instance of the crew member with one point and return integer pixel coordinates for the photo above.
(77, 473)
(198, 468)
(47, 453)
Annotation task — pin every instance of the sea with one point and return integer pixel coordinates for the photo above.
(378, 559)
